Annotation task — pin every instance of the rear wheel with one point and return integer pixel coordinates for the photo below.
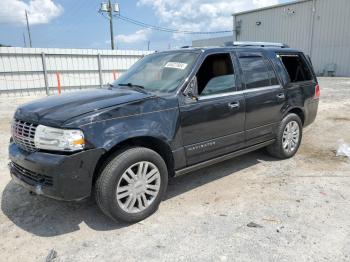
(288, 139)
(132, 185)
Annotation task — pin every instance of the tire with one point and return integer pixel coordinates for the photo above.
(278, 148)
(132, 185)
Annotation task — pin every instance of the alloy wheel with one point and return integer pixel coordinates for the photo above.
(291, 137)
(138, 187)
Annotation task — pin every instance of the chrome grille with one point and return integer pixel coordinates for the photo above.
(23, 134)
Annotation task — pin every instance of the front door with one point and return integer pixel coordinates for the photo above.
(213, 124)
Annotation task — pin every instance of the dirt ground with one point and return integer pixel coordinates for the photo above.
(302, 205)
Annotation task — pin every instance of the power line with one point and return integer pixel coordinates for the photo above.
(168, 30)
(24, 40)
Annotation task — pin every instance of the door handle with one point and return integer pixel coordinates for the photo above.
(233, 105)
(281, 96)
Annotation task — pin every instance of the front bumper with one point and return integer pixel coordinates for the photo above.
(64, 177)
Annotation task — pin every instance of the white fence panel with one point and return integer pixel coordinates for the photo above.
(22, 70)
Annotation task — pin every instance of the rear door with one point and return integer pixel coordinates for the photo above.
(264, 97)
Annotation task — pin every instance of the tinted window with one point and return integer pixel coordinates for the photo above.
(297, 68)
(257, 71)
(219, 84)
(216, 75)
(272, 74)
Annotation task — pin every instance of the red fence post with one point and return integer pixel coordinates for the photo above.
(58, 83)
(114, 75)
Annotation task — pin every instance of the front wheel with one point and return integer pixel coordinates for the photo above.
(288, 139)
(131, 186)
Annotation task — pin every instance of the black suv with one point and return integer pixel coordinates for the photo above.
(171, 113)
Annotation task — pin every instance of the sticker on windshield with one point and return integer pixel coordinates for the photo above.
(176, 65)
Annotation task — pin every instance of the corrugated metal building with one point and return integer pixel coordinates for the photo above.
(321, 28)
(215, 41)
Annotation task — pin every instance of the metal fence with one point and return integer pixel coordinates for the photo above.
(24, 71)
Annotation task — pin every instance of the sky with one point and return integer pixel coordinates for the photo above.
(77, 23)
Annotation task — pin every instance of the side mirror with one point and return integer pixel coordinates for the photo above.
(109, 85)
(192, 89)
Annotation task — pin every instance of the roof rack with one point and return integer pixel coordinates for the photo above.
(261, 44)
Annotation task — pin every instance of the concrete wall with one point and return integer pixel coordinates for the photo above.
(322, 31)
(22, 69)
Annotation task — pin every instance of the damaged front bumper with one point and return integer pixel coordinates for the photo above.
(63, 177)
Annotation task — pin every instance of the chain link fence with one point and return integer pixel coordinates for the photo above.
(26, 71)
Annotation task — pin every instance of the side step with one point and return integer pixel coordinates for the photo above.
(221, 158)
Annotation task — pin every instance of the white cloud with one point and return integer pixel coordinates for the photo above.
(39, 11)
(263, 3)
(201, 15)
(138, 36)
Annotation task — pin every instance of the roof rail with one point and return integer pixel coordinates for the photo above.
(261, 44)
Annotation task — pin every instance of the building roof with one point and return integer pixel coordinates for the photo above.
(270, 7)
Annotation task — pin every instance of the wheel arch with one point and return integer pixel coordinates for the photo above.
(298, 111)
(153, 143)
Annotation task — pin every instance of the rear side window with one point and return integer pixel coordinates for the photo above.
(296, 66)
(257, 71)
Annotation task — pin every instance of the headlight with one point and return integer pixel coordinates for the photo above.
(57, 139)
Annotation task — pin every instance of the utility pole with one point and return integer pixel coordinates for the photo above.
(111, 23)
(109, 8)
(148, 44)
(28, 29)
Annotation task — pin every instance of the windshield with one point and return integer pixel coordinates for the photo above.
(159, 72)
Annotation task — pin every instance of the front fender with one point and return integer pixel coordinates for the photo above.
(163, 125)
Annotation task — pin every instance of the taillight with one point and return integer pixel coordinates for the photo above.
(317, 92)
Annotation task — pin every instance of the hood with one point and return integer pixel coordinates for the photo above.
(57, 109)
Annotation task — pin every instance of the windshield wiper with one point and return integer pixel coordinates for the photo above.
(138, 87)
(132, 85)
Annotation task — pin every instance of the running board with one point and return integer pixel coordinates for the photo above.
(221, 158)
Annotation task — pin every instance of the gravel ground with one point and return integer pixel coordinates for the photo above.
(300, 206)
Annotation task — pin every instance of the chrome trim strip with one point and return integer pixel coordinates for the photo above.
(220, 95)
(240, 92)
(262, 88)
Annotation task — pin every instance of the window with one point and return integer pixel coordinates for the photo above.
(272, 74)
(216, 75)
(160, 72)
(297, 68)
(257, 70)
